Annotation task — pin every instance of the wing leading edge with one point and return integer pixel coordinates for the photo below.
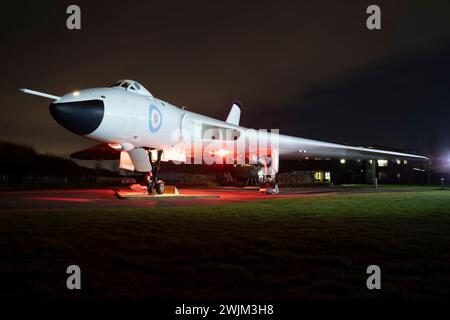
(299, 148)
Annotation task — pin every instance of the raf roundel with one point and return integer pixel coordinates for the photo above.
(155, 119)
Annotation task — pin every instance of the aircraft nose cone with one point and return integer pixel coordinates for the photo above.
(80, 117)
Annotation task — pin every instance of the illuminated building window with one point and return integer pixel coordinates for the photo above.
(399, 161)
(318, 176)
(322, 176)
(405, 162)
(382, 163)
(370, 161)
(342, 161)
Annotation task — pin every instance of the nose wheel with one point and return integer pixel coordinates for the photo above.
(155, 185)
(160, 187)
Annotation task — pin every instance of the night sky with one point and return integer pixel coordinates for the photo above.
(313, 69)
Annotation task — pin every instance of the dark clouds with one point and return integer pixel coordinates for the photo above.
(290, 64)
(401, 101)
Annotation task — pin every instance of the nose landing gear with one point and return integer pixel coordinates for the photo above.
(155, 186)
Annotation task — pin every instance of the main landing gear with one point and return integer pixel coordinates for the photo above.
(155, 186)
(269, 169)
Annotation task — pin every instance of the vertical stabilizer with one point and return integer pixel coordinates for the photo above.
(235, 114)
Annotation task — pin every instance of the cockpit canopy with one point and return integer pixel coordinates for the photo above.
(132, 86)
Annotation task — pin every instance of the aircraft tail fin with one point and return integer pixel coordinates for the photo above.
(235, 113)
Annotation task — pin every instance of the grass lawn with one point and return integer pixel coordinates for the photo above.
(413, 187)
(310, 248)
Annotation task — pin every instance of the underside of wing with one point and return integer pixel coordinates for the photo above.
(98, 152)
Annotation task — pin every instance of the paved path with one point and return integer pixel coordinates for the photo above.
(106, 198)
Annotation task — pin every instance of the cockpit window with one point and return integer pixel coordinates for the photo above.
(132, 86)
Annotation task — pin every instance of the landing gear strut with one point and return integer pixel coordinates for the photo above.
(269, 166)
(155, 185)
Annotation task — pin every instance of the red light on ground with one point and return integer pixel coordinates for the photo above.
(62, 199)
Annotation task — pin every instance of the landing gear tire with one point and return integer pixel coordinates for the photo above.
(269, 188)
(273, 189)
(150, 187)
(160, 187)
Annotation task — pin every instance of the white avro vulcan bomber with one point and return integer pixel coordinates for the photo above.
(128, 119)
